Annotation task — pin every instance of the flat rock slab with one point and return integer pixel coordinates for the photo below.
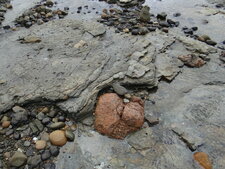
(190, 108)
(54, 70)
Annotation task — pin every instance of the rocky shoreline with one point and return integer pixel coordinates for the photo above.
(4, 6)
(159, 93)
(28, 136)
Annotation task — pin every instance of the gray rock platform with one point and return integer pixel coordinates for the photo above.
(189, 102)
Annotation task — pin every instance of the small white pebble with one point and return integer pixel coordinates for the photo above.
(35, 139)
(126, 100)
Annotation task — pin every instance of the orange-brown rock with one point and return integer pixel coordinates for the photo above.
(192, 60)
(117, 119)
(40, 144)
(6, 124)
(203, 159)
(58, 138)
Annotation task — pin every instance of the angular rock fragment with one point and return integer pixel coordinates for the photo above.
(31, 39)
(18, 159)
(80, 44)
(145, 14)
(20, 115)
(117, 119)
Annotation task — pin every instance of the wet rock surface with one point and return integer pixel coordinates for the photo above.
(137, 21)
(68, 65)
(28, 143)
(40, 14)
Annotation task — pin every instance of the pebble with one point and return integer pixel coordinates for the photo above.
(45, 136)
(33, 128)
(203, 38)
(16, 136)
(162, 16)
(20, 115)
(52, 113)
(45, 155)
(152, 29)
(40, 144)
(57, 125)
(54, 151)
(9, 132)
(177, 14)
(30, 151)
(49, 3)
(44, 110)
(26, 143)
(46, 120)
(126, 100)
(49, 166)
(143, 31)
(41, 116)
(69, 135)
(58, 138)
(120, 90)
(166, 30)
(6, 27)
(80, 44)
(6, 124)
(126, 30)
(164, 24)
(34, 161)
(4, 118)
(188, 31)
(195, 28)
(8, 6)
(39, 125)
(61, 118)
(31, 39)
(219, 5)
(135, 32)
(18, 159)
(6, 155)
(211, 42)
(145, 14)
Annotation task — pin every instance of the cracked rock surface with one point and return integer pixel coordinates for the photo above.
(116, 119)
(189, 102)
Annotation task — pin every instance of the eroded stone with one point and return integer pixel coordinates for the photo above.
(116, 119)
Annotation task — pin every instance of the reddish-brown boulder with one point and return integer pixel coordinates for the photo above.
(203, 159)
(117, 119)
(192, 60)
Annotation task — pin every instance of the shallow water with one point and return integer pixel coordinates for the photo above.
(193, 13)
